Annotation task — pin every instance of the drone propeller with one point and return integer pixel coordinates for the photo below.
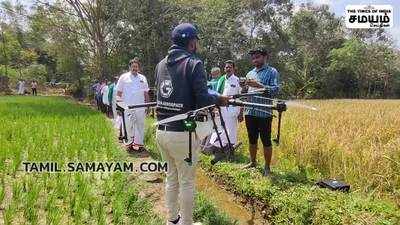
(172, 119)
(263, 111)
(143, 105)
(261, 91)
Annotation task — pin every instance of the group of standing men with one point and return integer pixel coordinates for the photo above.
(181, 86)
(104, 96)
(258, 120)
(21, 89)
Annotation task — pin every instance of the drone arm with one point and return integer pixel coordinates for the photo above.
(144, 105)
(261, 91)
(235, 102)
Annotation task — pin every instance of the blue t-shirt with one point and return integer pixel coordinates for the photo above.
(269, 77)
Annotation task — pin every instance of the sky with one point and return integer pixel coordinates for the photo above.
(338, 7)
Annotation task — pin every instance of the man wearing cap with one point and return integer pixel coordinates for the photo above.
(181, 84)
(132, 89)
(258, 122)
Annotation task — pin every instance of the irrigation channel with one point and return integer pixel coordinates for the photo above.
(225, 201)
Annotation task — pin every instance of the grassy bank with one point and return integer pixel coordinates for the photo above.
(290, 197)
(58, 130)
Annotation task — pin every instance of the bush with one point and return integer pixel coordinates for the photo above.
(35, 72)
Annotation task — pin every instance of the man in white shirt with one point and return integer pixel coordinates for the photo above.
(230, 114)
(132, 88)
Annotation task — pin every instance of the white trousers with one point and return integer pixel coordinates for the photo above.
(229, 114)
(180, 181)
(231, 123)
(21, 90)
(116, 118)
(134, 122)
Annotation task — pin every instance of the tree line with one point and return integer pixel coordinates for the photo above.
(77, 41)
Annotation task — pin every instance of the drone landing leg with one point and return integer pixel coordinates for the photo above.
(215, 160)
(278, 135)
(230, 147)
(189, 158)
(124, 126)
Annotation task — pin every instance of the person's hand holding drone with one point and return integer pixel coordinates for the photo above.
(223, 100)
(253, 83)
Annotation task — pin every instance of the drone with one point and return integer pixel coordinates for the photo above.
(190, 118)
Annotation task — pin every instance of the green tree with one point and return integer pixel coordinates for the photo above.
(10, 48)
(346, 70)
(313, 33)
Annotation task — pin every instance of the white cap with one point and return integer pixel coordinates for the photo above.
(215, 69)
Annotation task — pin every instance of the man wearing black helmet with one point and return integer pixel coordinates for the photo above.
(258, 122)
(181, 86)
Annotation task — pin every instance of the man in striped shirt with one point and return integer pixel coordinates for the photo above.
(259, 120)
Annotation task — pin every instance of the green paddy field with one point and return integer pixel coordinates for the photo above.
(355, 141)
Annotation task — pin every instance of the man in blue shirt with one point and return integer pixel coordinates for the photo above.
(259, 120)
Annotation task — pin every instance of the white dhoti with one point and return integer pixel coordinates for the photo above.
(21, 89)
(229, 115)
(134, 123)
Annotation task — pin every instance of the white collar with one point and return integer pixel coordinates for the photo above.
(231, 76)
(137, 74)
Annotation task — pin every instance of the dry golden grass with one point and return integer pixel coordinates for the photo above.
(357, 141)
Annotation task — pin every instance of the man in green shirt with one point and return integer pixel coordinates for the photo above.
(217, 81)
(111, 97)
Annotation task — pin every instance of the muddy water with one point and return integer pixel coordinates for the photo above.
(225, 201)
